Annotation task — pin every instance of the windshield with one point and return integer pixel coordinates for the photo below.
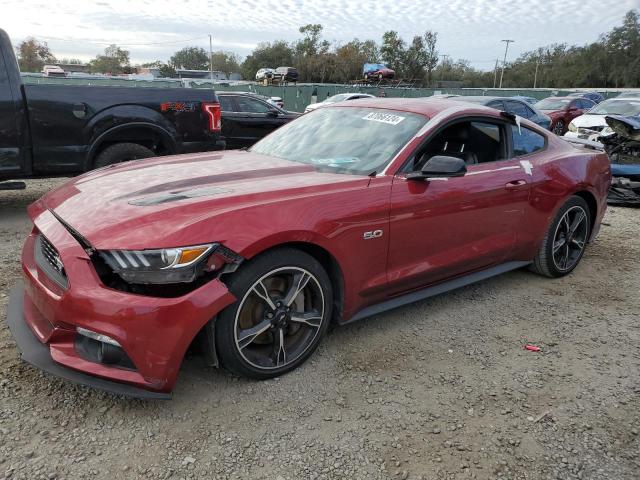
(343, 139)
(338, 98)
(553, 103)
(617, 107)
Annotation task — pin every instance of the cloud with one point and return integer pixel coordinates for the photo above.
(469, 29)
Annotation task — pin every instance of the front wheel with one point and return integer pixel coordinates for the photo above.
(283, 311)
(565, 241)
(558, 128)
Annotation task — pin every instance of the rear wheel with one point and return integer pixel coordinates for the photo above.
(282, 313)
(558, 128)
(122, 152)
(565, 241)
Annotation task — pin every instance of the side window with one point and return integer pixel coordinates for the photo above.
(497, 104)
(587, 104)
(250, 105)
(526, 141)
(517, 108)
(474, 142)
(226, 103)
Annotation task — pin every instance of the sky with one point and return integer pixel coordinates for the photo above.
(154, 29)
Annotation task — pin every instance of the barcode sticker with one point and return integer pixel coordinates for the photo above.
(384, 118)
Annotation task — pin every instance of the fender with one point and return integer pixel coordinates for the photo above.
(121, 117)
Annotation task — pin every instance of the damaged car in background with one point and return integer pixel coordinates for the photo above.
(344, 213)
(621, 140)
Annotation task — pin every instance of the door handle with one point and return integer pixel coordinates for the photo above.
(515, 184)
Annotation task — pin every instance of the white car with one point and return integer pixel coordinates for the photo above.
(264, 73)
(593, 124)
(341, 97)
(53, 71)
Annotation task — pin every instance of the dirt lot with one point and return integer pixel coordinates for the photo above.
(441, 389)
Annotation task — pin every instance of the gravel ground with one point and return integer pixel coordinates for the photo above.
(441, 389)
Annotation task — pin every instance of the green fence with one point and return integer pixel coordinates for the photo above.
(298, 97)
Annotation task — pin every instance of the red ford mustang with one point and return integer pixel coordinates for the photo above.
(344, 213)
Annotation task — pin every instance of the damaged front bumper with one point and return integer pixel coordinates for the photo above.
(152, 334)
(39, 355)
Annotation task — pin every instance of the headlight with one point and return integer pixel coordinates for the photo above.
(572, 127)
(167, 265)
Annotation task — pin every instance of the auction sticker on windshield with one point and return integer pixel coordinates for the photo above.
(384, 118)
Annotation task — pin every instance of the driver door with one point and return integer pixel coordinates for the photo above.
(443, 228)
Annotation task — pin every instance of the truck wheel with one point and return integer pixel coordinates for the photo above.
(565, 241)
(282, 313)
(121, 152)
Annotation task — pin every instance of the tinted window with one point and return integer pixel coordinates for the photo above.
(526, 141)
(226, 103)
(250, 105)
(518, 108)
(587, 104)
(473, 142)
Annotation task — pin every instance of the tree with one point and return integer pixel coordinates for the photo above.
(312, 54)
(267, 55)
(415, 59)
(190, 58)
(226, 62)
(114, 61)
(349, 59)
(165, 70)
(70, 61)
(431, 54)
(393, 51)
(33, 55)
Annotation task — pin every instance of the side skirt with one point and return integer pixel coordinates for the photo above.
(436, 290)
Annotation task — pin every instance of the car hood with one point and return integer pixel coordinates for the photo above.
(155, 203)
(590, 120)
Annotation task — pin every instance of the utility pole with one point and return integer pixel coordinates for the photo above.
(210, 58)
(535, 76)
(495, 73)
(444, 61)
(504, 62)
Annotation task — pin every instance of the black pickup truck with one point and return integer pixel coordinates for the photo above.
(51, 130)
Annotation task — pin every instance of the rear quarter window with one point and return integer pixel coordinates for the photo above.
(526, 141)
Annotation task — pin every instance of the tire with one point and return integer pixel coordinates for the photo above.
(122, 152)
(558, 128)
(549, 260)
(251, 336)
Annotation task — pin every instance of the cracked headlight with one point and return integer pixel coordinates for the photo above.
(572, 127)
(162, 266)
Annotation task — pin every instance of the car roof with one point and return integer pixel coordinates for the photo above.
(561, 98)
(252, 94)
(423, 106)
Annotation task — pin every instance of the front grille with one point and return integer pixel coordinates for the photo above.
(48, 259)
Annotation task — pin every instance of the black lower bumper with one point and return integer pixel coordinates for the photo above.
(38, 355)
(207, 146)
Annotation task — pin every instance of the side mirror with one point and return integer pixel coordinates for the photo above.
(272, 113)
(440, 166)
